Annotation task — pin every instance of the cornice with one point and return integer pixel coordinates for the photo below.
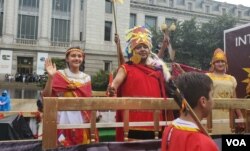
(143, 6)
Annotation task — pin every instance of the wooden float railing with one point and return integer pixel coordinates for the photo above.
(52, 105)
(28, 107)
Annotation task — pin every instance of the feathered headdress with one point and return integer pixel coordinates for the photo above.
(135, 36)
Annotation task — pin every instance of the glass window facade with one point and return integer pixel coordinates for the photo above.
(28, 3)
(132, 21)
(60, 21)
(60, 30)
(169, 21)
(61, 5)
(150, 22)
(27, 27)
(108, 6)
(108, 31)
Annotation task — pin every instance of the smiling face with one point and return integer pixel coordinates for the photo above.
(220, 66)
(143, 51)
(74, 59)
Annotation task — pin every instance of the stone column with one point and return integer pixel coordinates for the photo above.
(9, 21)
(75, 21)
(44, 22)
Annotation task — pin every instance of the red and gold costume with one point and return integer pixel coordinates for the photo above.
(185, 136)
(67, 84)
(140, 81)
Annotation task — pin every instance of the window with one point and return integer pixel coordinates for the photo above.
(28, 3)
(169, 21)
(107, 66)
(132, 21)
(224, 11)
(151, 1)
(150, 22)
(1, 16)
(207, 9)
(1, 23)
(82, 3)
(108, 31)
(108, 6)
(60, 21)
(61, 5)
(190, 5)
(60, 30)
(171, 3)
(80, 38)
(239, 14)
(180, 2)
(27, 27)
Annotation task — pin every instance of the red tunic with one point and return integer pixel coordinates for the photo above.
(62, 86)
(141, 81)
(184, 138)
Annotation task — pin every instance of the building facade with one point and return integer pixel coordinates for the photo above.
(31, 30)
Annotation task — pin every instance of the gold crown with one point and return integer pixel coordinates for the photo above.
(74, 49)
(219, 55)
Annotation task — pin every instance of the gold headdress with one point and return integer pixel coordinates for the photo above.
(219, 55)
(74, 49)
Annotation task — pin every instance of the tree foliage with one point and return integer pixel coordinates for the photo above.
(100, 80)
(195, 43)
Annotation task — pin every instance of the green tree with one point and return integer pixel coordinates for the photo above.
(100, 80)
(212, 36)
(195, 43)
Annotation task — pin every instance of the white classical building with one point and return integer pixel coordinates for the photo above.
(31, 30)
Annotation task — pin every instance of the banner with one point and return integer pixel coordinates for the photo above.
(40, 62)
(237, 48)
(5, 61)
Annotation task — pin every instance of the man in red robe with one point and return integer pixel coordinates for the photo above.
(139, 77)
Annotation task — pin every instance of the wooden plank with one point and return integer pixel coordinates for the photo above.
(126, 124)
(25, 113)
(247, 113)
(115, 103)
(93, 126)
(99, 93)
(49, 124)
(156, 123)
(23, 105)
(232, 120)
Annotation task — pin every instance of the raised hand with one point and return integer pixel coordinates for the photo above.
(117, 39)
(166, 41)
(50, 67)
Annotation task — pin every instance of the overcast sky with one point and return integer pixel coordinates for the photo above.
(243, 2)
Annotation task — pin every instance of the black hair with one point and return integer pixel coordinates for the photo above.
(194, 85)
